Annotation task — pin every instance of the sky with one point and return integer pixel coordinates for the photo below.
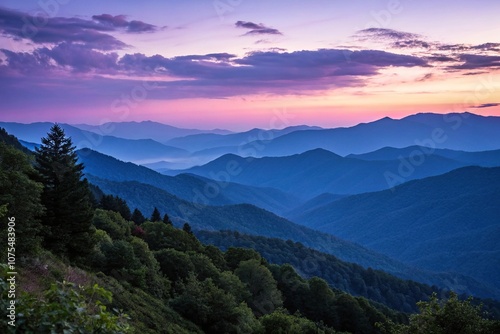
(240, 64)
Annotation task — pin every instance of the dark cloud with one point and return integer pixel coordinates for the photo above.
(82, 59)
(30, 64)
(411, 43)
(120, 21)
(57, 29)
(487, 47)
(426, 77)
(441, 58)
(257, 29)
(437, 46)
(405, 40)
(475, 62)
(487, 105)
(271, 72)
(474, 73)
(249, 25)
(382, 33)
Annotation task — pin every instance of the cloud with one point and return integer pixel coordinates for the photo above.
(487, 105)
(441, 58)
(271, 72)
(57, 30)
(120, 21)
(438, 46)
(82, 59)
(257, 29)
(386, 34)
(216, 75)
(93, 33)
(406, 40)
(474, 62)
(426, 77)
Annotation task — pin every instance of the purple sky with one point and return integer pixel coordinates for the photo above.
(238, 63)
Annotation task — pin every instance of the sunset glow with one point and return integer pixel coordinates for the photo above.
(234, 64)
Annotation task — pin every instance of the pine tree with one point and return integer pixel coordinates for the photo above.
(68, 228)
(138, 217)
(156, 216)
(166, 220)
(117, 204)
(187, 228)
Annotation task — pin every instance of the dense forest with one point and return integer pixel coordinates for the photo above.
(376, 285)
(86, 263)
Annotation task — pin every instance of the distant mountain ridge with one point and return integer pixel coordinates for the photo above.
(449, 222)
(191, 188)
(318, 171)
(145, 130)
(124, 149)
(457, 131)
(483, 158)
(200, 142)
(150, 142)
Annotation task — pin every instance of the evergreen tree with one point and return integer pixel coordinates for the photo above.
(66, 197)
(166, 220)
(187, 228)
(138, 217)
(116, 204)
(156, 216)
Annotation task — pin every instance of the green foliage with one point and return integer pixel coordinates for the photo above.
(451, 316)
(174, 264)
(113, 223)
(316, 301)
(265, 296)
(124, 256)
(116, 204)
(68, 218)
(13, 142)
(216, 256)
(159, 235)
(375, 285)
(148, 314)
(203, 266)
(232, 284)
(234, 256)
(213, 309)
(20, 197)
(280, 322)
(66, 308)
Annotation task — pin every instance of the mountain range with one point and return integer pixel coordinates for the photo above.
(146, 130)
(448, 222)
(319, 171)
(126, 149)
(164, 147)
(413, 197)
(174, 195)
(191, 188)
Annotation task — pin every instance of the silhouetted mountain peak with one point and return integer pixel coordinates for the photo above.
(319, 153)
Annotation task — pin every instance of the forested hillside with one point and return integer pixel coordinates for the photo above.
(90, 265)
(446, 223)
